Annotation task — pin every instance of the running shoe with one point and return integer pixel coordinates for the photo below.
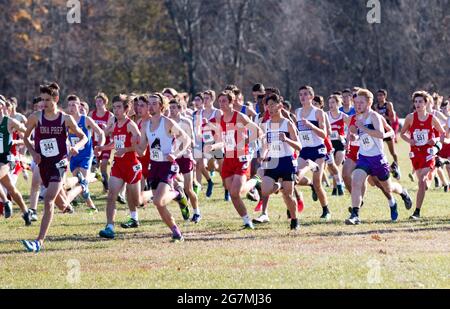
(407, 200)
(177, 238)
(98, 176)
(326, 215)
(294, 225)
(27, 217)
(252, 195)
(394, 212)
(334, 192)
(32, 245)
(263, 218)
(107, 233)
(91, 210)
(353, 220)
(131, 223)
(34, 216)
(415, 216)
(209, 189)
(411, 177)
(183, 203)
(121, 199)
(8, 209)
(395, 170)
(196, 218)
(68, 210)
(227, 196)
(340, 190)
(314, 194)
(249, 226)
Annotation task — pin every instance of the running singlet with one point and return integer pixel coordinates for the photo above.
(307, 137)
(145, 160)
(421, 132)
(337, 127)
(277, 148)
(208, 134)
(161, 143)
(50, 139)
(122, 139)
(369, 146)
(382, 110)
(353, 146)
(5, 141)
(350, 112)
(234, 138)
(102, 122)
(87, 150)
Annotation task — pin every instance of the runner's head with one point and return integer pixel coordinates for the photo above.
(258, 92)
(318, 102)
(287, 106)
(175, 108)
(9, 107)
(209, 97)
(274, 105)
(170, 93)
(37, 104)
(334, 102)
(199, 101)
(142, 106)
(84, 108)
(50, 96)
(382, 95)
(101, 100)
(347, 98)
(73, 104)
(238, 98)
(2, 105)
(121, 105)
(306, 95)
(363, 100)
(226, 99)
(158, 104)
(13, 101)
(420, 100)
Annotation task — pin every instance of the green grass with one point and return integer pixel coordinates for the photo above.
(218, 254)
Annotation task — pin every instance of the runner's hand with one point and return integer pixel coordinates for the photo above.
(171, 158)
(73, 151)
(36, 158)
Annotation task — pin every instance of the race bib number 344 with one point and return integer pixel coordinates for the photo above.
(49, 147)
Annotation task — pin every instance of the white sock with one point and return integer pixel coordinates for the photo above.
(197, 211)
(392, 202)
(338, 179)
(134, 215)
(111, 226)
(246, 219)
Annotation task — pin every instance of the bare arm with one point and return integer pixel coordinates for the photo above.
(31, 125)
(94, 126)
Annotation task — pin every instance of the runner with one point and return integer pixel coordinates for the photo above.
(371, 159)
(126, 168)
(418, 131)
(234, 138)
(159, 132)
(386, 109)
(50, 153)
(312, 132)
(347, 103)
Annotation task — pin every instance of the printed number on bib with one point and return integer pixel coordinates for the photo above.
(334, 135)
(230, 142)
(275, 148)
(137, 168)
(208, 137)
(306, 138)
(366, 142)
(420, 137)
(174, 168)
(243, 159)
(119, 141)
(49, 147)
(156, 155)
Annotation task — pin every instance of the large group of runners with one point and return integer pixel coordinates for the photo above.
(162, 145)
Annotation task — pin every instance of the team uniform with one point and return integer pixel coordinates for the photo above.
(234, 163)
(421, 132)
(102, 122)
(145, 159)
(445, 152)
(371, 158)
(128, 168)
(185, 161)
(161, 145)
(350, 112)
(313, 146)
(5, 142)
(382, 110)
(353, 146)
(280, 163)
(85, 155)
(50, 142)
(337, 132)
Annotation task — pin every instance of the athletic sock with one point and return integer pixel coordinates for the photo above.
(246, 219)
(417, 211)
(197, 211)
(392, 202)
(325, 210)
(175, 230)
(355, 211)
(209, 180)
(403, 194)
(134, 215)
(110, 226)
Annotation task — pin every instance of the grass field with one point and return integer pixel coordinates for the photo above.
(218, 254)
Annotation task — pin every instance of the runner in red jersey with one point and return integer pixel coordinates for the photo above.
(103, 118)
(233, 137)
(50, 153)
(418, 132)
(126, 168)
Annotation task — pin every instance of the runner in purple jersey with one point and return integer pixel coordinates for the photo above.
(50, 153)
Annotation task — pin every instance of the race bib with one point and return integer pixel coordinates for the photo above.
(366, 142)
(119, 141)
(243, 159)
(420, 137)
(49, 147)
(335, 136)
(322, 151)
(175, 168)
(137, 167)
(208, 137)
(230, 142)
(156, 155)
(275, 148)
(306, 138)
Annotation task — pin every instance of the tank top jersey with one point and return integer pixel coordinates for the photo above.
(208, 135)
(382, 110)
(87, 151)
(350, 112)
(337, 126)
(421, 132)
(185, 125)
(161, 143)
(122, 139)
(233, 138)
(6, 139)
(277, 148)
(102, 122)
(307, 137)
(50, 139)
(443, 123)
(369, 146)
(353, 146)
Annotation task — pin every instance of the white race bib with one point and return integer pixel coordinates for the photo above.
(366, 142)
(137, 167)
(208, 137)
(275, 148)
(335, 136)
(420, 137)
(306, 138)
(119, 141)
(230, 142)
(49, 147)
(156, 155)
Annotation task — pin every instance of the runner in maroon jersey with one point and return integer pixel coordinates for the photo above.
(50, 153)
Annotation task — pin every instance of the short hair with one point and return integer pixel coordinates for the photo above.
(103, 96)
(421, 93)
(365, 93)
(170, 91)
(235, 89)
(177, 102)
(307, 87)
(337, 93)
(72, 97)
(258, 88)
(338, 99)
(346, 90)
(200, 95)
(273, 90)
(124, 99)
(383, 91)
(85, 105)
(36, 100)
(228, 94)
(273, 97)
(50, 89)
(163, 101)
(211, 93)
(319, 100)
